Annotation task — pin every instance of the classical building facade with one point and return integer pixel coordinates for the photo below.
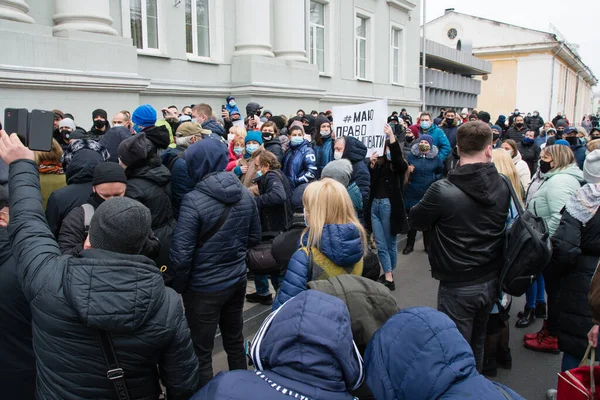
(78, 55)
(531, 70)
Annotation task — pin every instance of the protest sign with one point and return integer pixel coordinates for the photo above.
(365, 122)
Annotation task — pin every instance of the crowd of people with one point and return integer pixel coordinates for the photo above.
(125, 248)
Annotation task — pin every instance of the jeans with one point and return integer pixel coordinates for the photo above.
(569, 361)
(207, 310)
(381, 213)
(536, 293)
(262, 283)
(469, 307)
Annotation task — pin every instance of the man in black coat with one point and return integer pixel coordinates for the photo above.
(101, 125)
(17, 371)
(466, 213)
(517, 130)
(108, 288)
(535, 122)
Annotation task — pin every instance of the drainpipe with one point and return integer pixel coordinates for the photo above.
(552, 79)
(575, 118)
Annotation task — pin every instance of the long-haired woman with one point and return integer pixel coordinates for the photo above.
(332, 244)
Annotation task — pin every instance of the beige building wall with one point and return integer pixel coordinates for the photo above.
(499, 92)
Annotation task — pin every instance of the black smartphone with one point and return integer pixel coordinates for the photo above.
(16, 120)
(223, 108)
(41, 126)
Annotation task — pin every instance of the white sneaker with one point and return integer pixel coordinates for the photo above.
(551, 394)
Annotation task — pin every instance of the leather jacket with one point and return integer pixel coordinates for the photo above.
(466, 214)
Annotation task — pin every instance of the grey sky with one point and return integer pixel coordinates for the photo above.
(575, 19)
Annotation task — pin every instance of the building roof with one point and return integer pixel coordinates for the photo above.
(447, 59)
(547, 41)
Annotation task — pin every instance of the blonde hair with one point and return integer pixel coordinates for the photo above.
(54, 155)
(327, 202)
(593, 145)
(506, 167)
(561, 155)
(238, 131)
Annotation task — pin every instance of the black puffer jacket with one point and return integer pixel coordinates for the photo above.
(392, 174)
(79, 176)
(534, 123)
(17, 370)
(71, 298)
(151, 186)
(355, 151)
(530, 153)
(467, 214)
(274, 203)
(515, 134)
(274, 146)
(576, 251)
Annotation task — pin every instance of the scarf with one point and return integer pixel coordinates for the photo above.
(50, 167)
(584, 204)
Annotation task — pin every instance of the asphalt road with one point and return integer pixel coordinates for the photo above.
(532, 373)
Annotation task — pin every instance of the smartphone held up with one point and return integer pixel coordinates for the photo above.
(34, 128)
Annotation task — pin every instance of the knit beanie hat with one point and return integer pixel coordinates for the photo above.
(297, 123)
(99, 113)
(108, 172)
(133, 149)
(144, 115)
(229, 98)
(107, 226)
(68, 122)
(591, 167)
(340, 170)
(254, 135)
(563, 142)
(497, 128)
(561, 123)
(428, 138)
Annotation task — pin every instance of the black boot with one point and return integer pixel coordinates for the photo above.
(409, 248)
(410, 241)
(540, 310)
(503, 356)
(527, 319)
(490, 348)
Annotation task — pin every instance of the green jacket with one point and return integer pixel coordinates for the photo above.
(552, 195)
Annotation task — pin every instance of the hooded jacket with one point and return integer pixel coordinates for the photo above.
(522, 169)
(554, 192)
(299, 164)
(341, 244)
(355, 151)
(323, 151)
(535, 122)
(214, 127)
(220, 262)
(436, 363)
(440, 140)
(303, 349)
(181, 183)
(17, 371)
(467, 215)
(274, 146)
(428, 169)
(80, 172)
(71, 298)
(274, 203)
(112, 139)
(150, 184)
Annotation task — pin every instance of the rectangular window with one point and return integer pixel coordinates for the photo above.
(144, 23)
(361, 47)
(317, 35)
(396, 45)
(197, 27)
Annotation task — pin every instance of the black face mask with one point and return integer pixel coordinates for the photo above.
(545, 166)
(572, 140)
(496, 136)
(266, 137)
(409, 139)
(450, 121)
(99, 124)
(594, 137)
(99, 200)
(519, 125)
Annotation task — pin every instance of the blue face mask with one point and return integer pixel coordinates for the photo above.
(388, 155)
(296, 140)
(425, 125)
(238, 150)
(137, 129)
(259, 173)
(232, 103)
(251, 148)
(528, 140)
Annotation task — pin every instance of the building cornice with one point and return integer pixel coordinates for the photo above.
(403, 5)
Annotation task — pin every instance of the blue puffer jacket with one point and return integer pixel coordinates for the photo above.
(221, 262)
(324, 154)
(181, 183)
(299, 164)
(305, 349)
(579, 151)
(339, 243)
(355, 151)
(440, 140)
(428, 169)
(214, 127)
(436, 363)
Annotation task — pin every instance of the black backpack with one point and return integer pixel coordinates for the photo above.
(527, 249)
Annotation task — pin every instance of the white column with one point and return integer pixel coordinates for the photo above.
(88, 16)
(15, 10)
(253, 28)
(289, 34)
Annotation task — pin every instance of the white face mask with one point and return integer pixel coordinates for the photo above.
(338, 155)
(118, 125)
